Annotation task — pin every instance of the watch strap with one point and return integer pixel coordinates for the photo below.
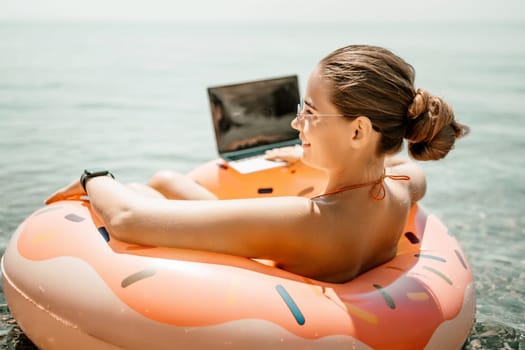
(91, 173)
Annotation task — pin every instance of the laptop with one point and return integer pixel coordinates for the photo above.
(252, 117)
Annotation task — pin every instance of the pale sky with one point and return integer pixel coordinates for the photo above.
(353, 10)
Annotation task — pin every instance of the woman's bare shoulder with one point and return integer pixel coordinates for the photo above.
(416, 184)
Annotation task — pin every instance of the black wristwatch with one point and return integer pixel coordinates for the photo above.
(93, 172)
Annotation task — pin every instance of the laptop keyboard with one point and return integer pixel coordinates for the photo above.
(253, 164)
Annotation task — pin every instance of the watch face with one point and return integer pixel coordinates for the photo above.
(96, 171)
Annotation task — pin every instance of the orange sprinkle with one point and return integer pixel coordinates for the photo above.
(421, 296)
(42, 237)
(362, 314)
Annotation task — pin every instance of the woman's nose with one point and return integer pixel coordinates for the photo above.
(295, 123)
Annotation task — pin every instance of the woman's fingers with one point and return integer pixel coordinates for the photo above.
(288, 154)
(72, 191)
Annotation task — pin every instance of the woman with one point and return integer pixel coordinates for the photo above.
(360, 103)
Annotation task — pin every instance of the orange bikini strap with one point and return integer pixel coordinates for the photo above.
(378, 191)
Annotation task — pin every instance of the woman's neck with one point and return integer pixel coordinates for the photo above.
(355, 172)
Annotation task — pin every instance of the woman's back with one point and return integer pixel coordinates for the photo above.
(358, 232)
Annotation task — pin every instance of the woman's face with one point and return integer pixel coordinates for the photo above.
(322, 128)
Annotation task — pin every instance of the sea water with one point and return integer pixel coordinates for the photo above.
(131, 96)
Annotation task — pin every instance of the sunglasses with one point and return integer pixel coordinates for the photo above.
(301, 116)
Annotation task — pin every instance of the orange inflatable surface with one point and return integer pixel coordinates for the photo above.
(70, 285)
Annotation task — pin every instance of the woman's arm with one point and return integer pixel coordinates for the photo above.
(282, 229)
(173, 185)
(401, 166)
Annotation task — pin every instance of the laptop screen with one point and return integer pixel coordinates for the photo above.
(255, 113)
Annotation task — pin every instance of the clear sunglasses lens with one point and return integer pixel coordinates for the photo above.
(298, 115)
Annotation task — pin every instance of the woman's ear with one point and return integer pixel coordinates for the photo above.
(361, 129)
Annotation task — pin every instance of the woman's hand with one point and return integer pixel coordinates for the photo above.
(290, 154)
(72, 191)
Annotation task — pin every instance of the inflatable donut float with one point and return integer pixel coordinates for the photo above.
(70, 285)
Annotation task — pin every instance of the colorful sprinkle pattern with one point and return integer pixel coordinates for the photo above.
(419, 289)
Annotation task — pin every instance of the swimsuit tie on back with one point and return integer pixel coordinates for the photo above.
(378, 191)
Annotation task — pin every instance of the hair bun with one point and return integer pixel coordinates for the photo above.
(419, 104)
(432, 129)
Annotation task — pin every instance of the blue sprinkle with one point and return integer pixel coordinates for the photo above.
(388, 299)
(74, 217)
(439, 273)
(137, 276)
(412, 237)
(428, 256)
(291, 304)
(461, 259)
(104, 233)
